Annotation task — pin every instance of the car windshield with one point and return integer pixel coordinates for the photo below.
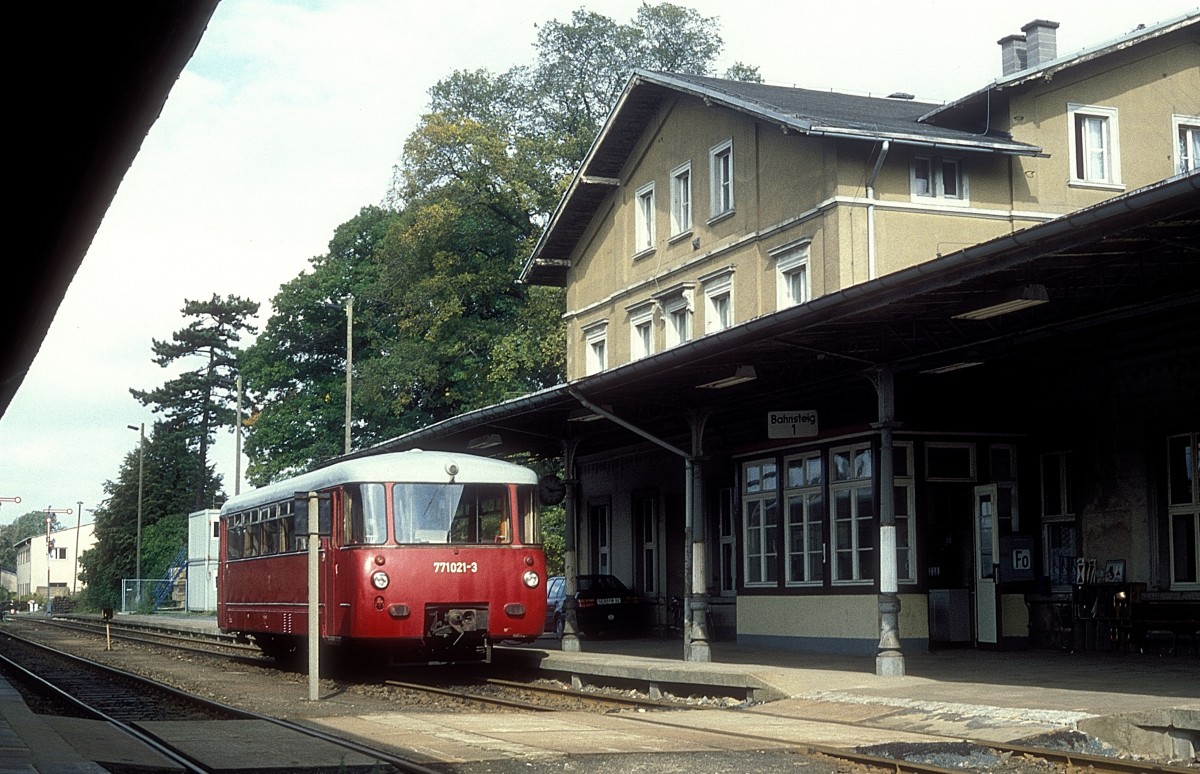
(601, 584)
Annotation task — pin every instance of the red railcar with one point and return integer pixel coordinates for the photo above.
(428, 556)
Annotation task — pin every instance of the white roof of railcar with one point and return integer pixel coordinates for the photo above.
(415, 466)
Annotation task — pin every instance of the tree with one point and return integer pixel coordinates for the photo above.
(170, 478)
(202, 399)
(295, 371)
(441, 325)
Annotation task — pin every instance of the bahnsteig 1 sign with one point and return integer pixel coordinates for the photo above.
(791, 424)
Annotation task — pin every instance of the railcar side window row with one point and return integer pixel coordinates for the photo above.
(421, 514)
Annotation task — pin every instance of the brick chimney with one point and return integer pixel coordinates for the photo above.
(1041, 47)
(1012, 54)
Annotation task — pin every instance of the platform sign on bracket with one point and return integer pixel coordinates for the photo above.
(791, 424)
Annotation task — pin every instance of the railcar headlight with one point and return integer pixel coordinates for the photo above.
(531, 579)
(380, 580)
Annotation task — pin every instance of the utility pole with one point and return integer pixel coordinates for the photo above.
(75, 569)
(141, 428)
(349, 362)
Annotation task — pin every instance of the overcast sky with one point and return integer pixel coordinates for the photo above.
(290, 117)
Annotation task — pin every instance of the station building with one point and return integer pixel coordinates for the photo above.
(865, 374)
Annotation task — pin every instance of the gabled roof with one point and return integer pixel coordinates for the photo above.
(1183, 25)
(802, 111)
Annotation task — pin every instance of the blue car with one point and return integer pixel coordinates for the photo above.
(606, 605)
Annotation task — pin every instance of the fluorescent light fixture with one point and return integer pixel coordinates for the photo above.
(484, 441)
(953, 367)
(741, 375)
(1019, 298)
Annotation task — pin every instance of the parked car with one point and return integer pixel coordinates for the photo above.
(605, 604)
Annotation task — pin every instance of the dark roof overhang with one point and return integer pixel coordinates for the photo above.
(1128, 269)
(93, 78)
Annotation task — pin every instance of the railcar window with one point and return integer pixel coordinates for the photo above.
(528, 521)
(451, 513)
(364, 514)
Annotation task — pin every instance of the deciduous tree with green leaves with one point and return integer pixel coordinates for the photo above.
(169, 479)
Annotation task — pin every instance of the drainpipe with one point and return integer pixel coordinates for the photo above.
(872, 271)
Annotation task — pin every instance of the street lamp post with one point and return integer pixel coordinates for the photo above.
(141, 428)
(349, 361)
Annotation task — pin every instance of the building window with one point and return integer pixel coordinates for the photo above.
(804, 504)
(641, 331)
(791, 272)
(596, 337)
(853, 509)
(718, 302)
(1060, 539)
(760, 520)
(644, 231)
(677, 314)
(1094, 145)
(1186, 130)
(935, 177)
(727, 543)
(904, 504)
(681, 200)
(646, 542)
(721, 182)
(600, 520)
(1183, 508)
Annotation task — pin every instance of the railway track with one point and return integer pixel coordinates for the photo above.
(60, 683)
(968, 755)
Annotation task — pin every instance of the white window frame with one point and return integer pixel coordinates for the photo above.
(681, 200)
(1183, 508)
(677, 317)
(804, 517)
(596, 341)
(904, 503)
(937, 188)
(1185, 141)
(852, 485)
(644, 226)
(760, 523)
(645, 509)
(641, 331)
(720, 164)
(718, 301)
(792, 276)
(727, 562)
(1058, 516)
(1079, 146)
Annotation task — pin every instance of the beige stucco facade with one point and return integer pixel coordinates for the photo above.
(823, 195)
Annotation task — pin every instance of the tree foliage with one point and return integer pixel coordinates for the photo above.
(441, 326)
(169, 479)
(203, 398)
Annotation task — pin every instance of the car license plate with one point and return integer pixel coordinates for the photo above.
(609, 601)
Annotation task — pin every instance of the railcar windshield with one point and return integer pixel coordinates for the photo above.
(451, 513)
